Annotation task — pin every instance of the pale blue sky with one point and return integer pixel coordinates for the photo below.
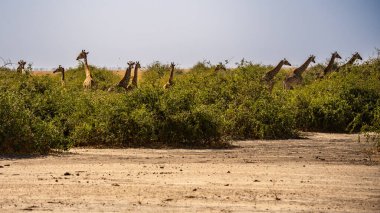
(52, 32)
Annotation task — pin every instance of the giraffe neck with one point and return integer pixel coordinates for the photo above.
(351, 61)
(302, 68)
(171, 75)
(270, 75)
(124, 82)
(86, 68)
(330, 65)
(134, 81)
(277, 68)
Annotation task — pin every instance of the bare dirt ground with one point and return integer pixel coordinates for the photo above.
(322, 173)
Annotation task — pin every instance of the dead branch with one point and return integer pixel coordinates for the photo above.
(6, 62)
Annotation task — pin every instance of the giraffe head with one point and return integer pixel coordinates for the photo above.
(59, 69)
(131, 64)
(21, 64)
(286, 62)
(172, 65)
(336, 55)
(82, 55)
(312, 58)
(138, 66)
(357, 56)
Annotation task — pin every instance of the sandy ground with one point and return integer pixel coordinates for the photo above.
(323, 173)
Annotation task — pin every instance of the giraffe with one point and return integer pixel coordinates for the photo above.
(125, 80)
(61, 70)
(330, 66)
(133, 85)
(88, 82)
(170, 82)
(355, 56)
(296, 76)
(21, 67)
(220, 67)
(268, 77)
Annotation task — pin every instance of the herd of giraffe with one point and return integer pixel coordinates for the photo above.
(293, 79)
(296, 76)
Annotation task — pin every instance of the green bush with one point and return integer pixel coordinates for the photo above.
(202, 109)
(343, 101)
(22, 132)
(154, 75)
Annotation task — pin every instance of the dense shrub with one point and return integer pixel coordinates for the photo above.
(202, 109)
(23, 132)
(343, 101)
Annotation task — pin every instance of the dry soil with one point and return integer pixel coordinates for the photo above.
(321, 173)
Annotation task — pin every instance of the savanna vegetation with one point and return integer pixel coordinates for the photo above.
(204, 108)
